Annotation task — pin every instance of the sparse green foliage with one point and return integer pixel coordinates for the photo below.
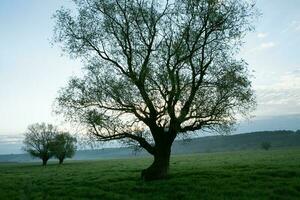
(156, 69)
(45, 141)
(266, 145)
(38, 140)
(63, 146)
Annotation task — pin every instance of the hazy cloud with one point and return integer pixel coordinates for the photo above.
(282, 97)
(293, 26)
(267, 45)
(11, 139)
(263, 46)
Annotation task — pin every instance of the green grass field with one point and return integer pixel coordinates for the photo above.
(271, 174)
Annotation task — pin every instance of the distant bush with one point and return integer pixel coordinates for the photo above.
(266, 145)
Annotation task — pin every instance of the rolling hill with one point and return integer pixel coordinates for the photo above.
(247, 141)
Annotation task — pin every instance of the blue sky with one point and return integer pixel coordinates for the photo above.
(272, 51)
(32, 70)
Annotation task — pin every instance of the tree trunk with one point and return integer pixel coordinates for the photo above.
(160, 166)
(45, 160)
(61, 160)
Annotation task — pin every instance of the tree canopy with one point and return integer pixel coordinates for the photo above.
(155, 69)
(63, 146)
(38, 140)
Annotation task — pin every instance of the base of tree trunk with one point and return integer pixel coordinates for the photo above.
(157, 171)
(44, 162)
(151, 174)
(61, 161)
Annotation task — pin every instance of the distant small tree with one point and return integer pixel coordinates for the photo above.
(63, 146)
(266, 145)
(38, 140)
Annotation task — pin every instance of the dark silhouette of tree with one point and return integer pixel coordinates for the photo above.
(38, 139)
(63, 146)
(155, 70)
(266, 145)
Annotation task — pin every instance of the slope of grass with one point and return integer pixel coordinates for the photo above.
(246, 141)
(234, 175)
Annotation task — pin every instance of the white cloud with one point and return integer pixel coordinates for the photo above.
(262, 35)
(267, 45)
(263, 46)
(288, 81)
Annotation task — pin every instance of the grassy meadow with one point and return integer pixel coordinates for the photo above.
(258, 174)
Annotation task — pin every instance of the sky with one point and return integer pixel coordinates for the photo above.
(32, 70)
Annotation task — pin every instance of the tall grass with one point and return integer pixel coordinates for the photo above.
(260, 174)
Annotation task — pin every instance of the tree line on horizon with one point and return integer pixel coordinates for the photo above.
(45, 141)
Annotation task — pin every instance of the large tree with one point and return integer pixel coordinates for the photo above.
(155, 70)
(38, 140)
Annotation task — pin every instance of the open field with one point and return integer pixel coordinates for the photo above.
(257, 174)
